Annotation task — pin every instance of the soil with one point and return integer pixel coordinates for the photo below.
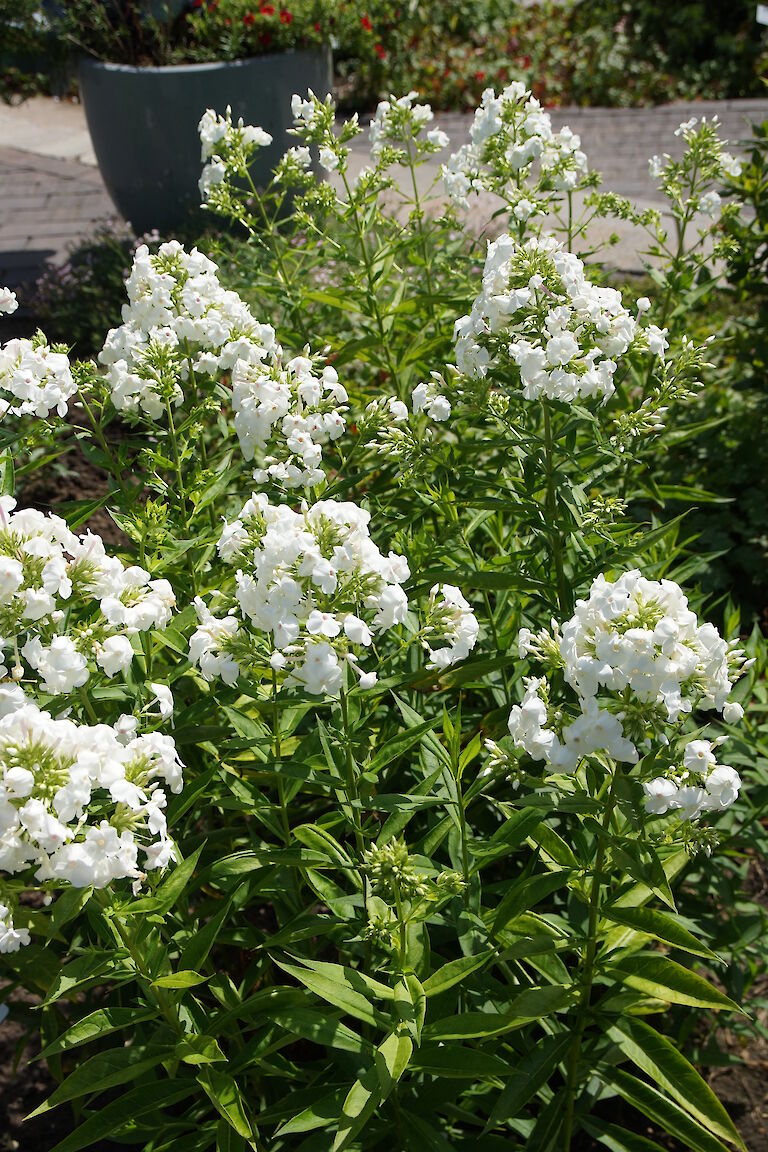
(24, 1084)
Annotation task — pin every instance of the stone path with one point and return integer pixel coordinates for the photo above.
(51, 194)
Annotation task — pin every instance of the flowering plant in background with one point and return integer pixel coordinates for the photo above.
(376, 751)
(237, 29)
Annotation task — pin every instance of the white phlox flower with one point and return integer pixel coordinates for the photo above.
(179, 321)
(398, 124)
(427, 398)
(225, 146)
(49, 578)
(696, 786)
(512, 135)
(287, 412)
(78, 802)
(639, 634)
(8, 301)
(11, 939)
(451, 628)
(313, 591)
(35, 379)
(538, 310)
(638, 661)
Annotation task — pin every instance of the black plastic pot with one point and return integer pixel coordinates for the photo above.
(143, 124)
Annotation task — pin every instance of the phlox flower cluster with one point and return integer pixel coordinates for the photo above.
(699, 784)
(705, 161)
(78, 803)
(398, 125)
(538, 309)
(450, 619)
(66, 607)
(35, 378)
(428, 397)
(11, 938)
(303, 399)
(226, 147)
(639, 661)
(179, 322)
(594, 730)
(314, 122)
(311, 585)
(312, 117)
(640, 635)
(510, 134)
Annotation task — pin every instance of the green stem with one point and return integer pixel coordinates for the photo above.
(402, 945)
(373, 301)
(464, 845)
(351, 789)
(555, 540)
(422, 234)
(102, 442)
(88, 706)
(588, 965)
(275, 245)
(163, 1002)
(182, 490)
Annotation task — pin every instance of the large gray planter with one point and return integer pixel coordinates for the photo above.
(143, 124)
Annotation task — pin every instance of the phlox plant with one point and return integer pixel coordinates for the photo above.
(349, 797)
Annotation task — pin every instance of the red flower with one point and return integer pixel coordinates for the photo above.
(267, 9)
(249, 19)
(379, 50)
(213, 5)
(198, 3)
(479, 76)
(228, 22)
(317, 26)
(285, 16)
(366, 23)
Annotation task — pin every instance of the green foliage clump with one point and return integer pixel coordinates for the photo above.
(374, 787)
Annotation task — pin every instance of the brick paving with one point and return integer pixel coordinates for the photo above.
(46, 205)
(49, 203)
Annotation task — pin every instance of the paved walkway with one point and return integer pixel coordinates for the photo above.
(51, 194)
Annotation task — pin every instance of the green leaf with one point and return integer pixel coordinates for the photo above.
(374, 1086)
(526, 894)
(168, 892)
(7, 479)
(195, 952)
(459, 1063)
(337, 991)
(105, 1070)
(109, 1120)
(179, 980)
(322, 842)
(318, 1115)
(319, 1026)
(411, 1004)
(535, 1071)
(660, 925)
(455, 971)
(651, 1104)
(529, 1005)
(655, 1055)
(398, 745)
(224, 1094)
(97, 1024)
(665, 979)
(618, 1139)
